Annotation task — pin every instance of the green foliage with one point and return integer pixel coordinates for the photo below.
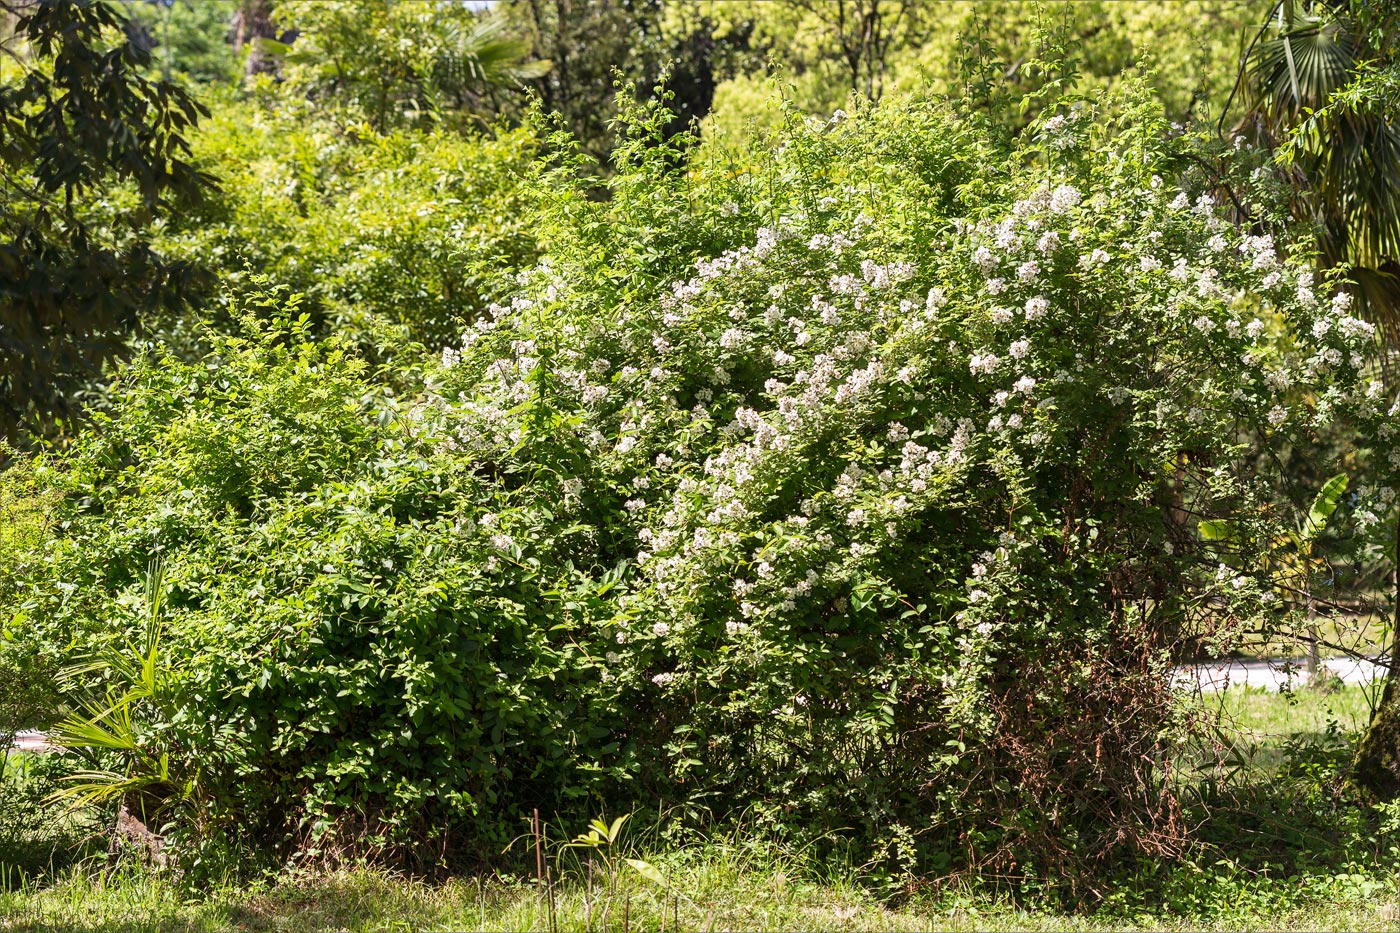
(1319, 86)
(395, 64)
(38, 839)
(398, 238)
(124, 724)
(376, 672)
(29, 699)
(189, 38)
(77, 273)
(846, 486)
(1192, 47)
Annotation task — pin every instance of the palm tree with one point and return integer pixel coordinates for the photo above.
(479, 57)
(1321, 81)
(1320, 92)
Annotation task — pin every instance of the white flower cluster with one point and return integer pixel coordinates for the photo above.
(807, 411)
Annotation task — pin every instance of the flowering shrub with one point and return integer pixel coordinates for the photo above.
(858, 487)
(914, 470)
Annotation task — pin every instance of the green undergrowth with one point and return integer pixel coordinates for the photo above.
(715, 889)
(1279, 846)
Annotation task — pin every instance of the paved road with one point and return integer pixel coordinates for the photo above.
(30, 742)
(1214, 676)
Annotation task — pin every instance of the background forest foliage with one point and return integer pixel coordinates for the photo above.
(838, 417)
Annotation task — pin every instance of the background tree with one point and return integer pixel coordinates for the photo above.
(251, 28)
(191, 38)
(395, 64)
(1319, 81)
(593, 44)
(1318, 84)
(77, 273)
(862, 34)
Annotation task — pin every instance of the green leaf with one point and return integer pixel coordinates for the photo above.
(1328, 498)
(1218, 529)
(647, 870)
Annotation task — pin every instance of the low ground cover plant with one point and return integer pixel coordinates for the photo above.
(856, 487)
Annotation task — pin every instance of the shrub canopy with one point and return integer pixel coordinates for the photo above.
(856, 485)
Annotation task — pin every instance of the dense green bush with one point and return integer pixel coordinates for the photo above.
(857, 486)
(386, 235)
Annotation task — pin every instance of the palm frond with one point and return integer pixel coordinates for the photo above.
(1297, 69)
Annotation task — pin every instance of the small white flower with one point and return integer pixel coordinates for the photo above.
(1096, 258)
(1277, 415)
(1356, 329)
(1019, 349)
(1028, 270)
(1063, 198)
(663, 678)
(983, 363)
(1036, 308)
(661, 630)
(1025, 385)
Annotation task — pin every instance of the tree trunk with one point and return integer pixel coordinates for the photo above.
(132, 834)
(1376, 770)
(1313, 653)
(252, 22)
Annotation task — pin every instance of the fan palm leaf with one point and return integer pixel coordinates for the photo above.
(1312, 94)
(482, 54)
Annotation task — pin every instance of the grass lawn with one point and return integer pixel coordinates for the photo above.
(1244, 876)
(717, 894)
